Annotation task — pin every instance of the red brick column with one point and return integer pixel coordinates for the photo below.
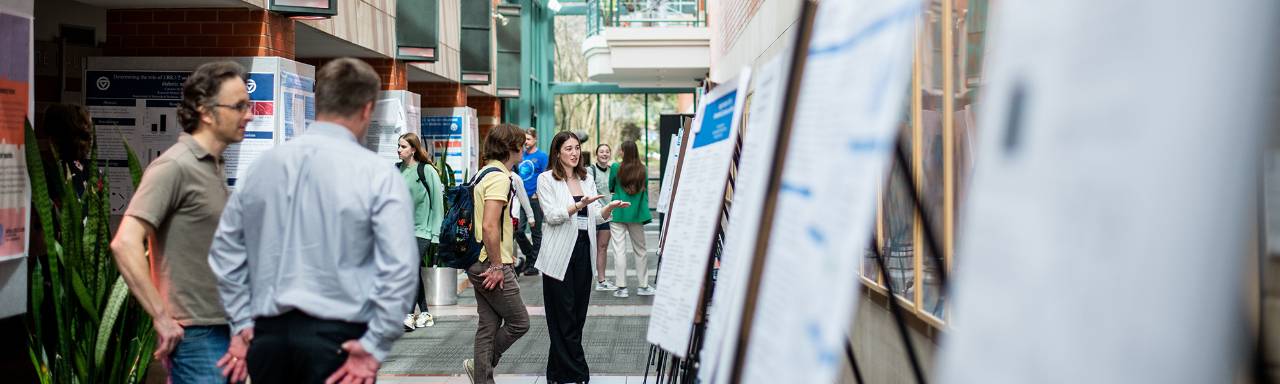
(488, 112)
(198, 32)
(440, 95)
(393, 72)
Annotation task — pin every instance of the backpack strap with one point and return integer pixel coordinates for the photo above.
(422, 178)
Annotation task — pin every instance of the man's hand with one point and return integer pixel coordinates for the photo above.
(360, 366)
(168, 334)
(233, 364)
(493, 278)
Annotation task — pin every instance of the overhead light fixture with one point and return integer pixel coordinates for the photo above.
(554, 5)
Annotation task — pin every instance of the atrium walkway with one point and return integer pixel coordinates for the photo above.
(614, 338)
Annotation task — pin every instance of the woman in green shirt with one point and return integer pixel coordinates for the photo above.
(627, 182)
(428, 211)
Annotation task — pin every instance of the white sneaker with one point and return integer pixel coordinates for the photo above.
(621, 293)
(424, 320)
(606, 286)
(646, 291)
(469, 365)
(408, 323)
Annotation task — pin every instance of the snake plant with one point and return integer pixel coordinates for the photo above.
(83, 325)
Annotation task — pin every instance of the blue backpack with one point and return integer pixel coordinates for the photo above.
(459, 247)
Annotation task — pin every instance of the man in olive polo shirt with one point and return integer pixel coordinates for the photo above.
(176, 210)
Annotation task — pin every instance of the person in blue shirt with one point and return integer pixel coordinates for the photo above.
(532, 165)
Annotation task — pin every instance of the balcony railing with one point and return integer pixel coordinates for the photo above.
(644, 13)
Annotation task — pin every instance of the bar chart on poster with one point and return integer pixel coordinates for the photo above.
(134, 101)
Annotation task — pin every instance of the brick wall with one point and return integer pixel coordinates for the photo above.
(488, 112)
(731, 18)
(393, 72)
(198, 32)
(440, 95)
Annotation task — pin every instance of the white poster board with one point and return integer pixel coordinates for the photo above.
(135, 99)
(1114, 195)
(687, 249)
(454, 132)
(759, 143)
(395, 113)
(16, 104)
(668, 174)
(851, 94)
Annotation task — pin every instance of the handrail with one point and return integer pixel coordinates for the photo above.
(644, 13)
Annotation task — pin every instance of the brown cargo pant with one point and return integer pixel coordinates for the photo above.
(503, 320)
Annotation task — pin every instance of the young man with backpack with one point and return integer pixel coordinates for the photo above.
(503, 317)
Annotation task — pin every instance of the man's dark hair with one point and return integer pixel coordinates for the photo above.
(201, 90)
(501, 141)
(344, 86)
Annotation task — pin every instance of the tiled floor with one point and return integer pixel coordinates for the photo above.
(614, 339)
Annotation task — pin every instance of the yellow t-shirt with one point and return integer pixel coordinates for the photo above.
(494, 186)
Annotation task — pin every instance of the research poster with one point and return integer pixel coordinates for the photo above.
(1113, 213)
(759, 143)
(453, 132)
(700, 201)
(15, 110)
(668, 174)
(133, 104)
(394, 113)
(851, 94)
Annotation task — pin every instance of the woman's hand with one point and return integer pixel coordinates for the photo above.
(608, 208)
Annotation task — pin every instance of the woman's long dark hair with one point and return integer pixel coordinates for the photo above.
(631, 173)
(557, 170)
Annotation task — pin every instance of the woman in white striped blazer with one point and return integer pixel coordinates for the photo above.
(570, 213)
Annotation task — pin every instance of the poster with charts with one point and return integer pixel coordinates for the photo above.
(759, 143)
(453, 132)
(1118, 210)
(395, 113)
(851, 93)
(133, 101)
(700, 203)
(15, 109)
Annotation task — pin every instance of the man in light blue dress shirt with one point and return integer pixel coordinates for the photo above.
(315, 254)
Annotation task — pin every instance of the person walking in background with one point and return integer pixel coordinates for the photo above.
(532, 163)
(503, 318)
(627, 182)
(600, 173)
(314, 256)
(428, 211)
(175, 211)
(572, 209)
(523, 211)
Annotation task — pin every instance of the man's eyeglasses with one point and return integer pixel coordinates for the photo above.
(241, 107)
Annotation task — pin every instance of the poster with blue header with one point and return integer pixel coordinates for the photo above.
(453, 133)
(133, 101)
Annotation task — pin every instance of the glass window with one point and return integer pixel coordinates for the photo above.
(899, 226)
(570, 62)
(971, 26)
(930, 146)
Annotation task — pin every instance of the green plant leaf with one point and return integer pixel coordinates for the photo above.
(82, 295)
(39, 186)
(37, 299)
(135, 166)
(119, 292)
